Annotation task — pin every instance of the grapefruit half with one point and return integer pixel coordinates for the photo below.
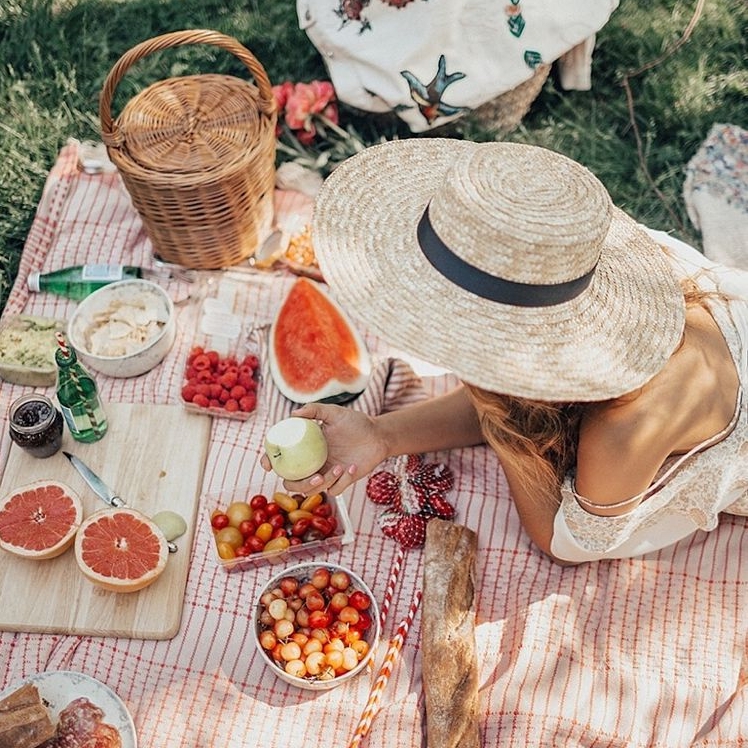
(39, 520)
(120, 550)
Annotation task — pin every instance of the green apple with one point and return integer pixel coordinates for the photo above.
(296, 448)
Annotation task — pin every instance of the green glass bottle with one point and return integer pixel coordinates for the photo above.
(78, 281)
(78, 396)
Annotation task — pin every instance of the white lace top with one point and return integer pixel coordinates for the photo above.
(688, 492)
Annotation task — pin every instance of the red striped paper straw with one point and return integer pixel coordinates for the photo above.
(385, 671)
(389, 592)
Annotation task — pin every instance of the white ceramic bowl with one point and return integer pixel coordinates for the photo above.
(124, 329)
(303, 573)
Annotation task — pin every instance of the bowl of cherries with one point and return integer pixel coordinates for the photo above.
(316, 625)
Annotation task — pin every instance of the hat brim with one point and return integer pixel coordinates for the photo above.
(609, 340)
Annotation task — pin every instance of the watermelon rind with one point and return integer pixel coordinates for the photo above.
(333, 391)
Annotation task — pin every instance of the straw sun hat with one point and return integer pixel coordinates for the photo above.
(505, 263)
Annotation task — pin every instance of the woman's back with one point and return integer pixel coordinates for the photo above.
(624, 443)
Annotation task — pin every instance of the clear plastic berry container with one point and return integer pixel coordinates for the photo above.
(312, 670)
(327, 529)
(221, 375)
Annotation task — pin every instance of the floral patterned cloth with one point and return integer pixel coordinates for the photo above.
(432, 61)
(716, 194)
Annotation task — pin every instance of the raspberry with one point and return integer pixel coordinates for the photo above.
(410, 531)
(438, 506)
(382, 487)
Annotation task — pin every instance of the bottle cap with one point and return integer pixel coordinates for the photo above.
(33, 280)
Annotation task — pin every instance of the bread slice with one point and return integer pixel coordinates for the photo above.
(24, 720)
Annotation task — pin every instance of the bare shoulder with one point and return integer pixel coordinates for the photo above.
(623, 443)
(621, 448)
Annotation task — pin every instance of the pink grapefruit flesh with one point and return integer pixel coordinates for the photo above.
(120, 550)
(39, 520)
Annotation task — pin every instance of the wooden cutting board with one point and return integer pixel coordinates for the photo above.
(153, 456)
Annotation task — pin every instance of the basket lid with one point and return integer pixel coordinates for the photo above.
(192, 124)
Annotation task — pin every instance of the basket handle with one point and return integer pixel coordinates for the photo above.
(110, 132)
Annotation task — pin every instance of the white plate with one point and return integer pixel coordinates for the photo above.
(58, 688)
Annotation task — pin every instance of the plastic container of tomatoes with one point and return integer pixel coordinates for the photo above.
(222, 370)
(301, 528)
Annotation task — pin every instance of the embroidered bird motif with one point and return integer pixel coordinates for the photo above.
(428, 97)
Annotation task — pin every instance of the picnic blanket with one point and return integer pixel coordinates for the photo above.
(615, 654)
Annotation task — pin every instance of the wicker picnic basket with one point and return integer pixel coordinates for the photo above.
(196, 154)
(504, 113)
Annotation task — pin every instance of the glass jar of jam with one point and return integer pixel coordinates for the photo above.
(36, 425)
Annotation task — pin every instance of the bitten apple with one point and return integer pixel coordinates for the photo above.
(296, 448)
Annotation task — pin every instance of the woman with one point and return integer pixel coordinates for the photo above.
(609, 385)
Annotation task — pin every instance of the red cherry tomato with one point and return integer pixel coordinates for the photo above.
(278, 521)
(258, 501)
(300, 527)
(219, 520)
(272, 509)
(322, 525)
(247, 527)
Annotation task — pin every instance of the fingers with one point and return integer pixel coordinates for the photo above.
(315, 411)
(334, 481)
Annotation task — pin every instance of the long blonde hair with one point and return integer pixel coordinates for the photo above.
(538, 439)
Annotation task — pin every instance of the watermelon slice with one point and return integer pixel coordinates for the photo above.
(315, 353)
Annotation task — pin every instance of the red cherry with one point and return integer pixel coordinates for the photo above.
(315, 601)
(320, 619)
(359, 600)
(340, 580)
(320, 578)
(364, 621)
(289, 585)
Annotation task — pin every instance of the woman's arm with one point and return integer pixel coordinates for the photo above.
(535, 514)
(357, 443)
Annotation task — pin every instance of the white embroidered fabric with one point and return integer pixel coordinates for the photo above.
(431, 62)
(691, 490)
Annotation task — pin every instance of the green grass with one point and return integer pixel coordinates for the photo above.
(55, 55)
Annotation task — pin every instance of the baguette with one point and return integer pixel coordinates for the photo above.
(450, 664)
(24, 720)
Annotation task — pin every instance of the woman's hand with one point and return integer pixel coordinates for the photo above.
(354, 444)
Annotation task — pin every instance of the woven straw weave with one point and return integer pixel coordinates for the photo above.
(196, 154)
(505, 112)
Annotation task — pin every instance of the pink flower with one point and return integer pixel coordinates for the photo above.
(331, 112)
(281, 94)
(305, 100)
